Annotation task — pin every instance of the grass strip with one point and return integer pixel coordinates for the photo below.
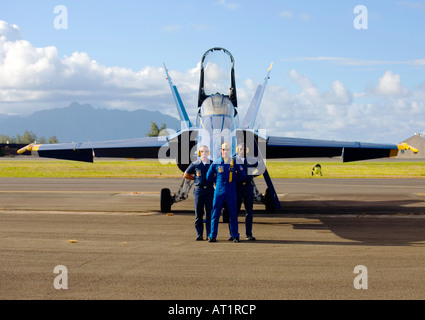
(49, 168)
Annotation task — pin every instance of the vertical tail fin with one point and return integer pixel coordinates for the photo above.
(179, 103)
(249, 120)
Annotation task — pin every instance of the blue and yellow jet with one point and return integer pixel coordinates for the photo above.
(217, 121)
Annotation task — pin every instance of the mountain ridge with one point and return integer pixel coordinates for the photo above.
(82, 122)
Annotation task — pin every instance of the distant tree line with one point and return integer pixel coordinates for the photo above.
(155, 131)
(30, 137)
(27, 138)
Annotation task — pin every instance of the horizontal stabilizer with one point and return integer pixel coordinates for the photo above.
(351, 154)
(129, 148)
(284, 147)
(85, 155)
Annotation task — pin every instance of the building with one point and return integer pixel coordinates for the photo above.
(417, 141)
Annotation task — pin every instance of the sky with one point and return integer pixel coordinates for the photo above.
(340, 71)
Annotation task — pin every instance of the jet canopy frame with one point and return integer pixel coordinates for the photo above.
(231, 91)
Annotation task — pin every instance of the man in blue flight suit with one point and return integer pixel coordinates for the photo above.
(245, 188)
(225, 173)
(203, 193)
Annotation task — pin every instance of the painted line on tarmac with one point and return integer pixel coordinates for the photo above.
(79, 191)
(111, 213)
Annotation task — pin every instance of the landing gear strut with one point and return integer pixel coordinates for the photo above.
(167, 200)
(268, 201)
(266, 198)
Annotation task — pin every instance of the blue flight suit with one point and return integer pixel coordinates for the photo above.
(245, 191)
(225, 176)
(203, 194)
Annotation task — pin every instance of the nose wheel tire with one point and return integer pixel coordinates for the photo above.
(165, 200)
(268, 200)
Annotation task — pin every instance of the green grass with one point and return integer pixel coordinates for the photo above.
(36, 167)
(99, 169)
(335, 169)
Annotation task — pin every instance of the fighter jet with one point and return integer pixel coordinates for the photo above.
(217, 121)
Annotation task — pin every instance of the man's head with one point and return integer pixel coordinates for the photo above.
(242, 150)
(203, 152)
(225, 150)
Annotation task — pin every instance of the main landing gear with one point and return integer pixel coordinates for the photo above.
(167, 200)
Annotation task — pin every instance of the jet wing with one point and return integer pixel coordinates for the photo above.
(283, 147)
(130, 148)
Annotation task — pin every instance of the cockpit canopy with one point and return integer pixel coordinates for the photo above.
(217, 104)
(218, 120)
(217, 75)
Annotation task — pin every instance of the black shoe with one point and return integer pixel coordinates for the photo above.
(250, 238)
(212, 240)
(236, 240)
(199, 238)
(231, 239)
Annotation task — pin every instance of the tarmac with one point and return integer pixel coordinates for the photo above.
(105, 239)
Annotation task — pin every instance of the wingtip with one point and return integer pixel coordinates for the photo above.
(405, 146)
(25, 149)
(271, 65)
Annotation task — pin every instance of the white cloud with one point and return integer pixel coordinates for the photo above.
(175, 28)
(10, 31)
(286, 14)
(385, 113)
(171, 28)
(390, 85)
(338, 94)
(305, 17)
(23, 66)
(416, 5)
(309, 89)
(418, 62)
(228, 5)
(357, 62)
(32, 78)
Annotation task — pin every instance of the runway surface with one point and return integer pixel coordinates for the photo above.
(115, 244)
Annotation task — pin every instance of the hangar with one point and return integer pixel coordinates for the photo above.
(418, 142)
